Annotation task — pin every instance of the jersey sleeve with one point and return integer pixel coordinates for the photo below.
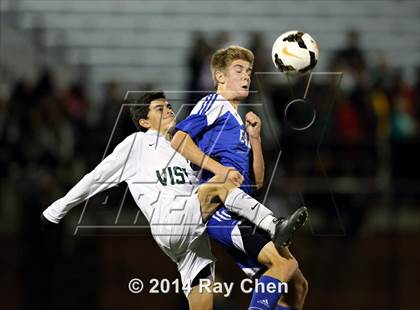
(205, 113)
(117, 167)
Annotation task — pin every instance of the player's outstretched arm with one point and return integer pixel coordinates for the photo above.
(114, 169)
(185, 145)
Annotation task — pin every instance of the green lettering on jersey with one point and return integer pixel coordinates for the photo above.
(177, 175)
(162, 177)
(171, 175)
(180, 175)
(186, 174)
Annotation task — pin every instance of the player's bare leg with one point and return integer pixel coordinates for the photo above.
(270, 287)
(200, 300)
(283, 268)
(298, 289)
(209, 197)
(279, 267)
(212, 194)
(220, 189)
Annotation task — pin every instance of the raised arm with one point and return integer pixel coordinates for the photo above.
(185, 145)
(204, 114)
(253, 125)
(114, 169)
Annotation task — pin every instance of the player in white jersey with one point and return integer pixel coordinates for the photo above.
(159, 181)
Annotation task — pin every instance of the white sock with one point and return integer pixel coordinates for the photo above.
(268, 224)
(244, 205)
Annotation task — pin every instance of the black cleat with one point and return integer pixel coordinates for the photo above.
(285, 228)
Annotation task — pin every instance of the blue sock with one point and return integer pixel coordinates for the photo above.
(283, 308)
(266, 293)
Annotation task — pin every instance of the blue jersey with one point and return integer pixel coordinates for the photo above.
(220, 133)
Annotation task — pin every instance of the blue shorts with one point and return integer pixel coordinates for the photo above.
(240, 239)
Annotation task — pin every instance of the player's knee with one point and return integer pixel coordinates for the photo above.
(279, 262)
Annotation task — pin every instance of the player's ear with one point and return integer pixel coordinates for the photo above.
(144, 123)
(220, 77)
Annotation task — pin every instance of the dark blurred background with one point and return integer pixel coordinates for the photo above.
(65, 67)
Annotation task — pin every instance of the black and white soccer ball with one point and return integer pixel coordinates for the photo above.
(295, 52)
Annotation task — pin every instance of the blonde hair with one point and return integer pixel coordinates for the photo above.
(223, 57)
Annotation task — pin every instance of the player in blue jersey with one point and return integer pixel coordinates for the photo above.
(214, 137)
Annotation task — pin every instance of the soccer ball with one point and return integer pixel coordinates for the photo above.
(295, 52)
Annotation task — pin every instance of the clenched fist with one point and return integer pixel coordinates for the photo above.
(253, 125)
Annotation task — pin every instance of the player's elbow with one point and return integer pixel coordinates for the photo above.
(178, 139)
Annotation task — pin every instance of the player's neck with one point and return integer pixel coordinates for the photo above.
(227, 95)
(167, 134)
(234, 103)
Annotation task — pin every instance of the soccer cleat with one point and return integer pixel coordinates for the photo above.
(285, 228)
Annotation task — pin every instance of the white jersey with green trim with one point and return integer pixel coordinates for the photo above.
(154, 171)
(158, 178)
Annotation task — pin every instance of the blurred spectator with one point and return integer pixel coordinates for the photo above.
(200, 52)
(417, 100)
(110, 114)
(76, 106)
(403, 124)
(381, 76)
(199, 77)
(405, 147)
(45, 87)
(351, 55)
(256, 45)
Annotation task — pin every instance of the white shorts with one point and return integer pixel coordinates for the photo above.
(180, 233)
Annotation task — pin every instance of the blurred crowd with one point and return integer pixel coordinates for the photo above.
(367, 127)
(48, 139)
